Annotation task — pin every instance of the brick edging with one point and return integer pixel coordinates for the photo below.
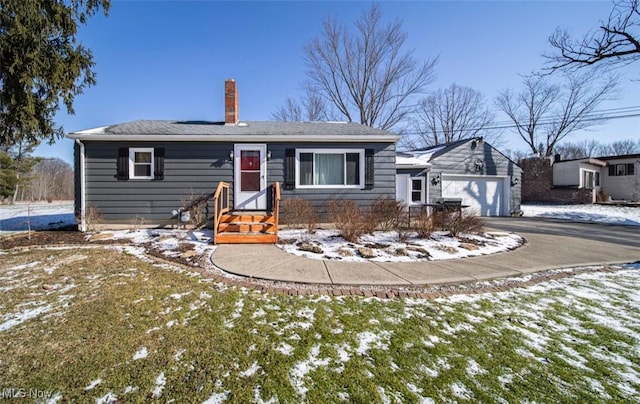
(288, 288)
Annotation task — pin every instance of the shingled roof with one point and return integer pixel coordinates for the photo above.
(164, 130)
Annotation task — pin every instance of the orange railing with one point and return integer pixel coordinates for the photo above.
(275, 204)
(221, 205)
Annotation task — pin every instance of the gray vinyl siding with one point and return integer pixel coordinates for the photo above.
(190, 169)
(384, 175)
(195, 168)
(460, 160)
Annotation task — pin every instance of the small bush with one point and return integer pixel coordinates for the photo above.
(298, 213)
(92, 217)
(426, 224)
(198, 212)
(464, 222)
(348, 219)
(386, 214)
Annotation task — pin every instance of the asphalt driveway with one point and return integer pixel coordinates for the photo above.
(607, 233)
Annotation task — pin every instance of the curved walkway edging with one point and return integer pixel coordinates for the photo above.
(540, 255)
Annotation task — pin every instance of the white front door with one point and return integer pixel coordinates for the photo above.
(250, 176)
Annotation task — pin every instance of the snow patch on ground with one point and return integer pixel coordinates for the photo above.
(93, 384)
(13, 319)
(386, 247)
(368, 340)
(141, 354)
(161, 381)
(627, 215)
(302, 368)
(217, 398)
(39, 216)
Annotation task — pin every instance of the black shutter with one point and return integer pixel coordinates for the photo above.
(369, 177)
(612, 170)
(630, 169)
(289, 169)
(122, 172)
(158, 163)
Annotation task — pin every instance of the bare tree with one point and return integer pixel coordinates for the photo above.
(615, 42)
(578, 150)
(621, 148)
(364, 72)
(454, 113)
(545, 113)
(50, 179)
(311, 107)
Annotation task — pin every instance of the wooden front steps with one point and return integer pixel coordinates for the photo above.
(247, 228)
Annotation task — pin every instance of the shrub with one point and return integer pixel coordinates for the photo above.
(464, 222)
(298, 213)
(403, 227)
(386, 214)
(92, 217)
(348, 219)
(197, 212)
(425, 224)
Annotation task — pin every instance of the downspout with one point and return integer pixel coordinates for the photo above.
(427, 185)
(83, 221)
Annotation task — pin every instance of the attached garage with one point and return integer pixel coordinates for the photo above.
(470, 170)
(486, 196)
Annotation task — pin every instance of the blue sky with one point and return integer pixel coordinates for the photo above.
(169, 59)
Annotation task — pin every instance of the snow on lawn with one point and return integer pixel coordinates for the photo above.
(40, 216)
(627, 215)
(380, 246)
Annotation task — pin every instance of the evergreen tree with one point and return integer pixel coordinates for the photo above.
(41, 65)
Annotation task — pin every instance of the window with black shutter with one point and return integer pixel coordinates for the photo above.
(289, 169)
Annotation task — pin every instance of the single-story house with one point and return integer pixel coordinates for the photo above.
(469, 170)
(615, 177)
(142, 170)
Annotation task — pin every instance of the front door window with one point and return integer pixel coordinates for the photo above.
(250, 170)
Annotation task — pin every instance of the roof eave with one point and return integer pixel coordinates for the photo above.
(410, 166)
(85, 135)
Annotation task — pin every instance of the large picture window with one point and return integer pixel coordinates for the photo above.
(141, 163)
(330, 168)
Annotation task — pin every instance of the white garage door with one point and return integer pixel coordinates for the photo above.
(484, 195)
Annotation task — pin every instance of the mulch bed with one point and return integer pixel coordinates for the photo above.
(63, 236)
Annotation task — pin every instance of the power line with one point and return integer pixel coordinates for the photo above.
(600, 115)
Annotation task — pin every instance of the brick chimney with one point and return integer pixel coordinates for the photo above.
(230, 103)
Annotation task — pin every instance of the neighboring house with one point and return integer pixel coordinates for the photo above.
(621, 177)
(613, 176)
(470, 170)
(581, 174)
(144, 169)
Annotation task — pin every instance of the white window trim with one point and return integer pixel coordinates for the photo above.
(582, 179)
(331, 151)
(410, 191)
(132, 152)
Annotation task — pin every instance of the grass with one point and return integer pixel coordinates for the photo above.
(98, 324)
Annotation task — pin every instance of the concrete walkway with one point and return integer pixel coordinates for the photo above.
(541, 252)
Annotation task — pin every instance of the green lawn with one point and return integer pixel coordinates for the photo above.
(96, 324)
